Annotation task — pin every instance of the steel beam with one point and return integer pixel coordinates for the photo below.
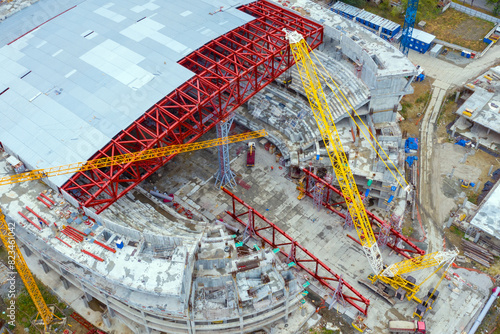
(228, 71)
(407, 251)
(291, 249)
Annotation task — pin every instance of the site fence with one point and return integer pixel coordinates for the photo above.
(475, 13)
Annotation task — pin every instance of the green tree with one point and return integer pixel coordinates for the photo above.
(356, 3)
(496, 8)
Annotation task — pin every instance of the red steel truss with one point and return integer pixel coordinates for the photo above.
(295, 252)
(394, 236)
(229, 70)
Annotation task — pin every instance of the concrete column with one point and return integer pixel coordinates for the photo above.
(111, 312)
(45, 267)
(85, 301)
(457, 95)
(27, 251)
(287, 304)
(65, 282)
(148, 330)
(478, 235)
(87, 296)
(106, 320)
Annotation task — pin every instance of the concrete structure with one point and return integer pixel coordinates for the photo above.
(479, 118)
(175, 272)
(487, 216)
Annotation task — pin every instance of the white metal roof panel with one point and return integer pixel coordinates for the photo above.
(95, 69)
(422, 36)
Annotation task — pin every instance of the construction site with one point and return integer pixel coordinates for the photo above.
(242, 166)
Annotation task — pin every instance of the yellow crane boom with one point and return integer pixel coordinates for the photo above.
(325, 121)
(126, 158)
(15, 257)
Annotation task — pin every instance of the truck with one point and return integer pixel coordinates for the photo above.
(403, 327)
(251, 154)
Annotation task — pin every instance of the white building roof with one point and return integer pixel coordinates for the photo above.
(70, 85)
(422, 36)
(487, 217)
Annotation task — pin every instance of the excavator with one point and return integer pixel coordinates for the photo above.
(393, 275)
(46, 316)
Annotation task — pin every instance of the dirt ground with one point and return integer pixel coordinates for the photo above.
(330, 316)
(414, 107)
(459, 28)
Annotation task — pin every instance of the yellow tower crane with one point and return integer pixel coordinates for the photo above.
(391, 275)
(44, 312)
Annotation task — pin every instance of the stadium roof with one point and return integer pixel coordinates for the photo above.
(70, 85)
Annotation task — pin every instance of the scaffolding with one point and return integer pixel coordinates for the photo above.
(318, 194)
(224, 176)
(348, 224)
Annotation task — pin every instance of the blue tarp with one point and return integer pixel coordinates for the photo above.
(411, 144)
(462, 142)
(410, 160)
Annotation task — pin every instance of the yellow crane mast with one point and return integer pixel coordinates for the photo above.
(17, 259)
(126, 158)
(325, 121)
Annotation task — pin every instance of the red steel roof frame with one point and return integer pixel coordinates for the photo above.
(290, 248)
(229, 70)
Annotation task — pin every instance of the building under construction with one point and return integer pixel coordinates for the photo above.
(156, 242)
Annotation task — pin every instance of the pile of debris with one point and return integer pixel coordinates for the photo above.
(477, 253)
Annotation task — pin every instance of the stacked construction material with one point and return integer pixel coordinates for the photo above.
(73, 233)
(477, 253)
(490, 245)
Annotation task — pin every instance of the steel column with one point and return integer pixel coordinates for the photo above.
(224, 176)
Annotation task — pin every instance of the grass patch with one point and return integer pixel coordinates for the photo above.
(405, 107)
(472, 197)
(451, 26)
(323, 331)
(26, 309)
(408, 231)
(459, 28)
(457, 231)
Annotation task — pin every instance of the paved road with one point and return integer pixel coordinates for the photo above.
(429, 180)
(447, 75)
(452, 74)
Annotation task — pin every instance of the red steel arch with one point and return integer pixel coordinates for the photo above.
(229, 70)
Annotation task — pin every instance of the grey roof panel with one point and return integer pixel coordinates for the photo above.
(83, 90)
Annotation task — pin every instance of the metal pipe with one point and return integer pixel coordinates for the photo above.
(160, 195)
(496, 292)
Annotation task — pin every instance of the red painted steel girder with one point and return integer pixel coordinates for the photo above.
(229, 70)
(298, 253)
(406, 252)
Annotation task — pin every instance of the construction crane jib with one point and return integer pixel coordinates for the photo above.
(153, 153)
(391, 275)
(325, 121)
(7, 236)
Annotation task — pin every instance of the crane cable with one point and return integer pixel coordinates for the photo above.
(361, 130)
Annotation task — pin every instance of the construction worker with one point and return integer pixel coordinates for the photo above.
(272, 168)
